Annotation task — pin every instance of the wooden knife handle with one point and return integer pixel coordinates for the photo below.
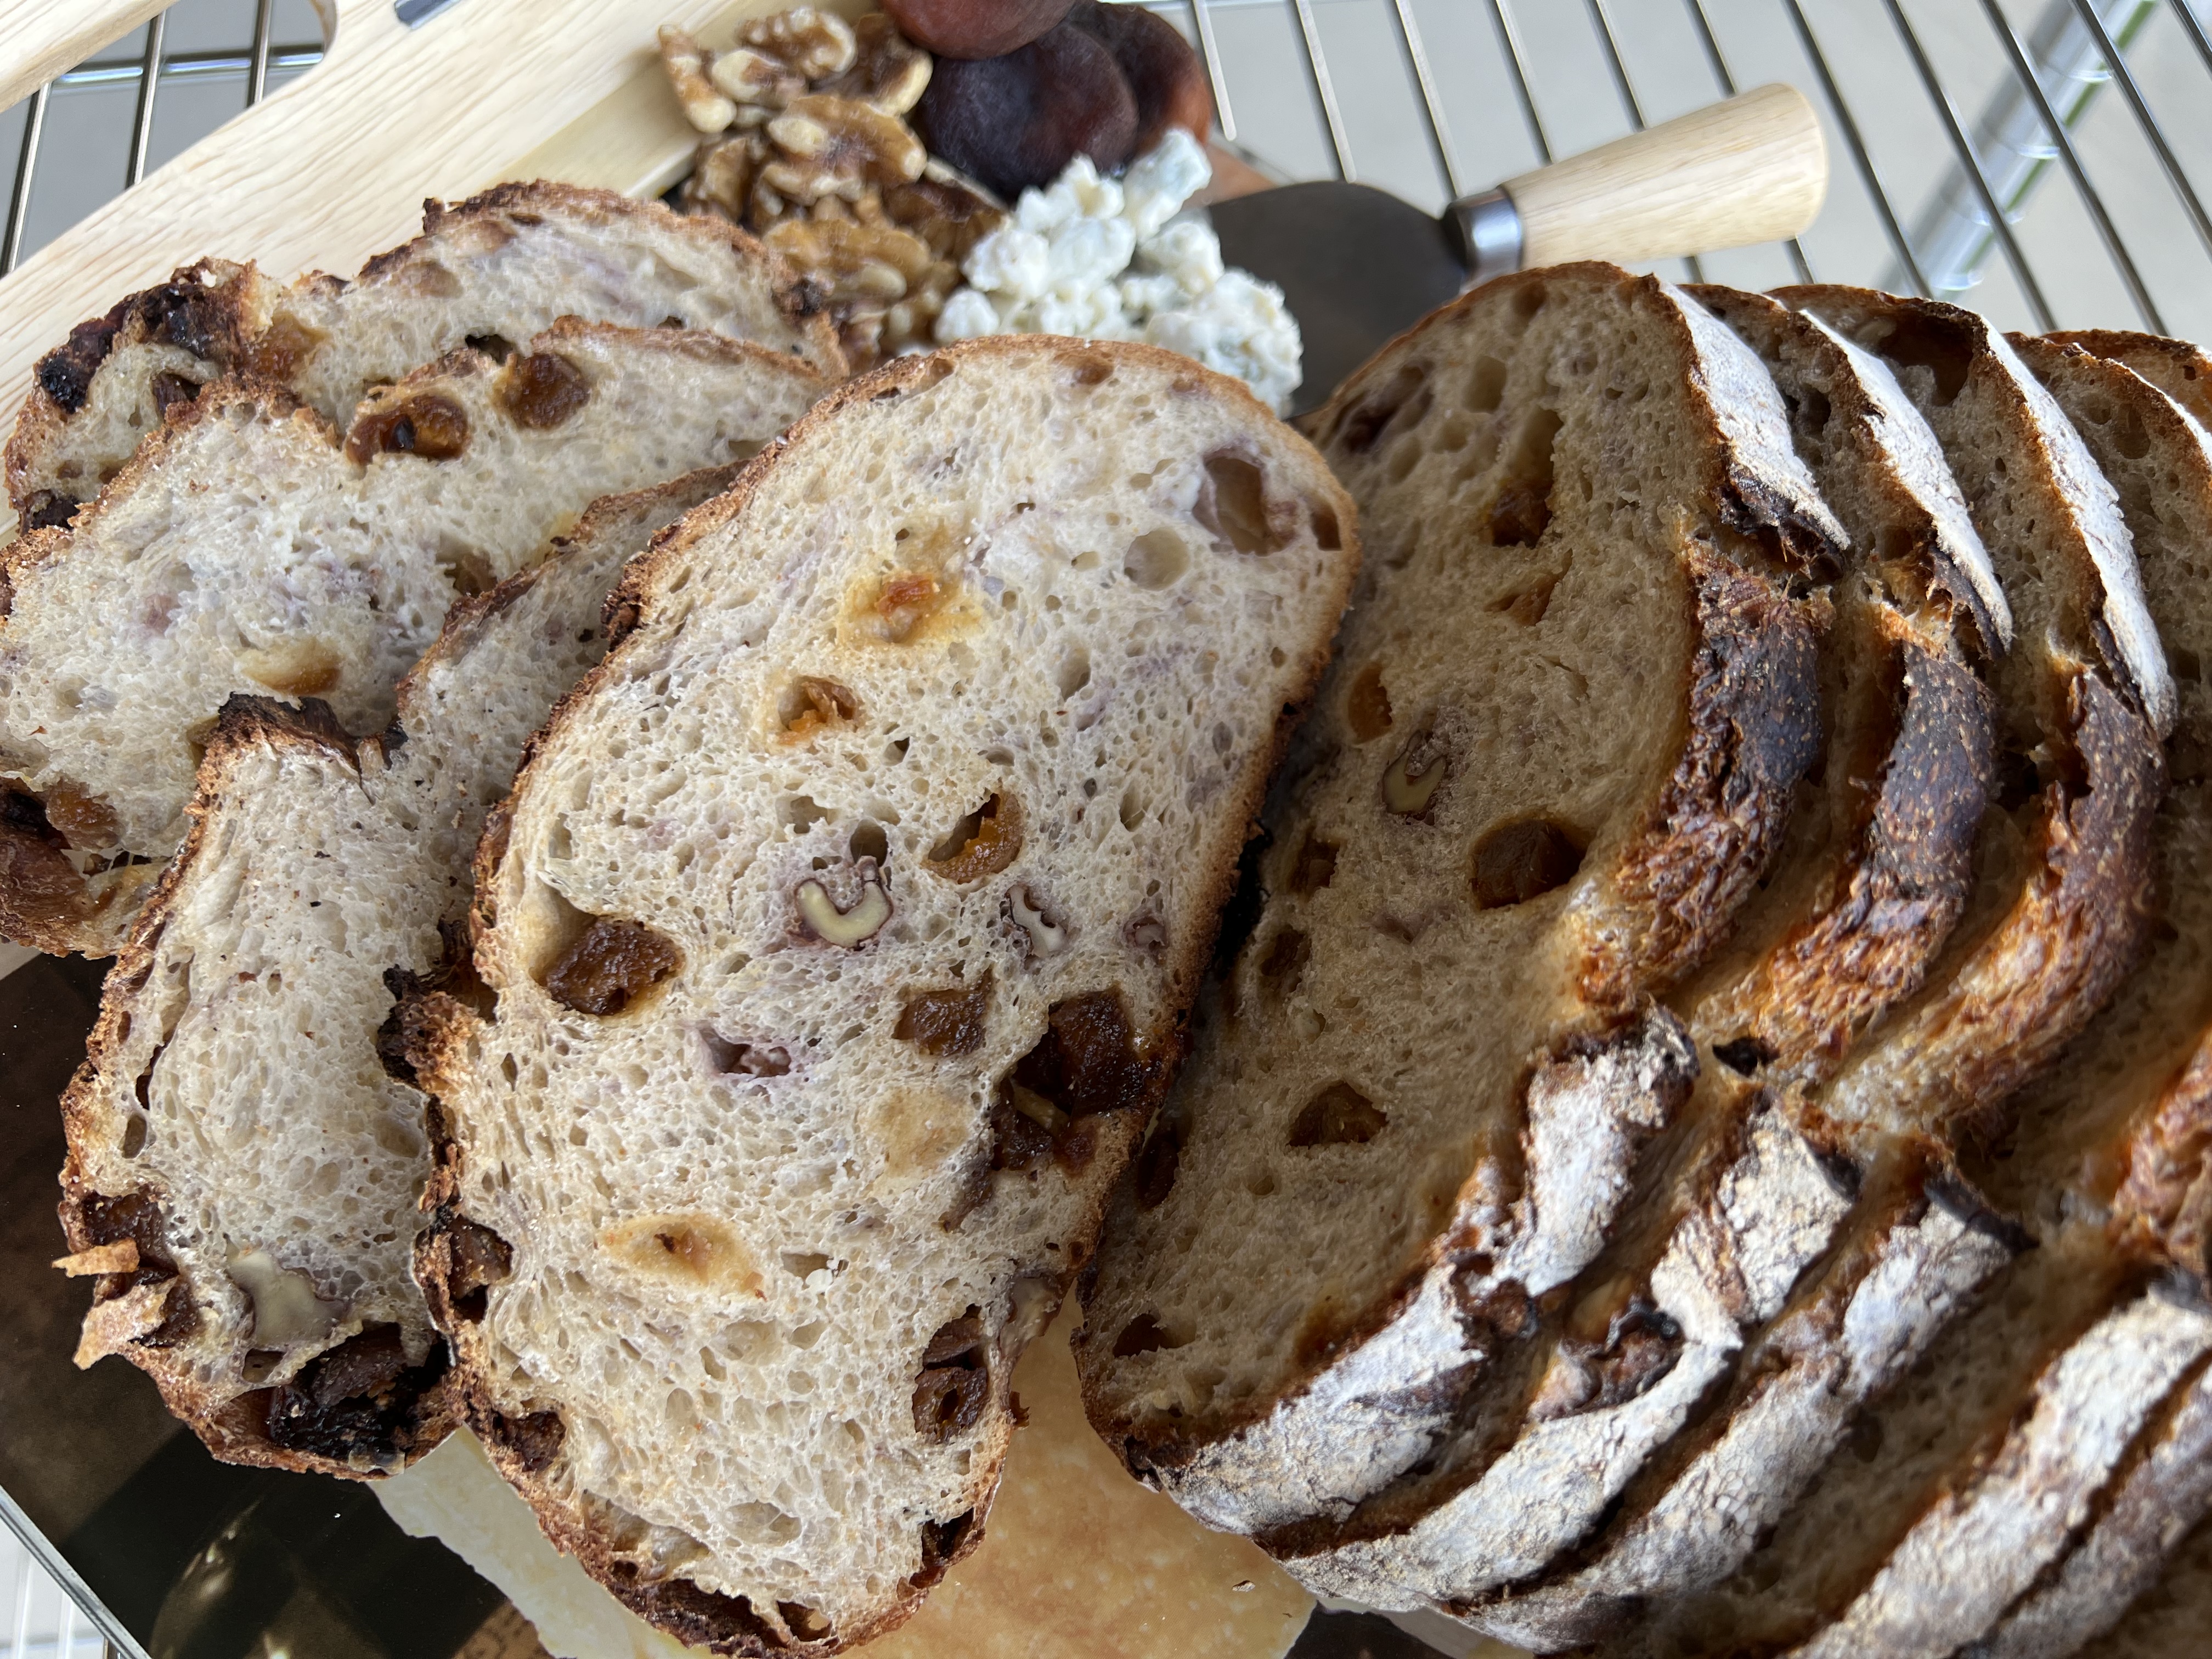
(1752, 169)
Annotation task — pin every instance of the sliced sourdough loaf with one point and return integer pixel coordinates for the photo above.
(494, 270)
(1554, 759)
(842, 923)
(245, 1157)
(252, 548)
(1975, 1469)
(1875, 874)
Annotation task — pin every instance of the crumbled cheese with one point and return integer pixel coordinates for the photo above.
(1118, 259)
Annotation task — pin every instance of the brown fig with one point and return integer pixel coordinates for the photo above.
(1164, 75)
(975, 28)
(1012, 123)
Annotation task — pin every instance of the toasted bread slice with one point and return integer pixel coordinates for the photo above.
(842, 923)
(241, 1119)
(1977, 1462)
(1876, 873)
(1555, 758)
(254, 549)
(493, 270)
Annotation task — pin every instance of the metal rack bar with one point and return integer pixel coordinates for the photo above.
(2024, 70)
(1999, 221)
(1508, 41)
(1324, 88)
(185, 66)
(2194, 25)
(19, 199)
(1416, 55)
(149, 84)
(2145, 120)
(256, 85)
(1856, 142)
(1209, 53)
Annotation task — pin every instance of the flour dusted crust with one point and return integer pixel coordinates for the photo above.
(254, 549)
(1310, 1307)
(505, 265)
(734, 1284)
(2032, 1406)
(241, 1120)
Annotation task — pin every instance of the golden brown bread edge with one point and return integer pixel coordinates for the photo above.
(456, 1259)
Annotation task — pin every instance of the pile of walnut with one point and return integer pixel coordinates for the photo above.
(809, 146)
(808, 150)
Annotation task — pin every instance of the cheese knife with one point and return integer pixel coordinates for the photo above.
(1358, 265)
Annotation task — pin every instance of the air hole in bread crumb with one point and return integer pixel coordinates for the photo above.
(1090, 369)
(803, 812)
(1329, 534)
(1133, 808)
(1232, 503)
(744, 1059)
(1339, 1115)
(804, 1622)
(1522, 859)
(1284, 964)
(1521, 508)
(1142, 1334)
(1156, 559)
(869, 842)
(804, 1264)
(1528, 604)
(1377, 411)
(134, 1136)
(1486, 386)
(1315, 866)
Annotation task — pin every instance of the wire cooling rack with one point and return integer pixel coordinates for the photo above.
(2036, 159)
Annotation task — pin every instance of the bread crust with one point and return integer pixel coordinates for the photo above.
(449, 1032)
(1379, 1384)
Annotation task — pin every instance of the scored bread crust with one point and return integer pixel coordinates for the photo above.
(1376, 1380)
(1849, 922)
(174, 1124)
(251, 548)
(511, 261)
(2059, 916)
(2130, 1095)
(1991, 1425)
(702, 1548)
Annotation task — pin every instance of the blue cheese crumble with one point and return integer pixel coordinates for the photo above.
(1118, 259)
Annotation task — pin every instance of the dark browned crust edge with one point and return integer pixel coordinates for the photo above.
(443, 1026)
(230, 1427)
(1899, 883)
(799, 302)
(210, 318)
(1704, 845)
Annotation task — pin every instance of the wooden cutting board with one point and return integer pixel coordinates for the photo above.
(334, 166)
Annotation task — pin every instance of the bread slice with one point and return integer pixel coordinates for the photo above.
(1875, 874)
(252, 548)
(241, 1119)
(495, 269)
(1976, 1470)
(1555, 759)
(2172, 1616)
(842, 923)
